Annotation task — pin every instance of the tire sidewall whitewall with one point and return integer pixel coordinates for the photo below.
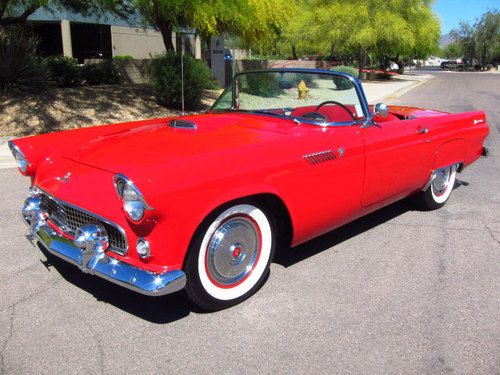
(441, 199)
(239, 290)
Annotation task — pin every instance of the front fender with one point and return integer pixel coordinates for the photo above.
(238, 193)
(181, 217)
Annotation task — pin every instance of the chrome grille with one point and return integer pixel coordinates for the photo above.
(70, 218)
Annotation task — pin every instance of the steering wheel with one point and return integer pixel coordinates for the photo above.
(336, 103)
(314, 116)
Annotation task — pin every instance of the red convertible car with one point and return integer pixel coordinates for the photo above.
(200, 202)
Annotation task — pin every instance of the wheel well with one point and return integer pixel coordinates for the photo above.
(273, 205)
(277, 208)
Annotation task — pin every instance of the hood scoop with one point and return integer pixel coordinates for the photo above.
(182, 124)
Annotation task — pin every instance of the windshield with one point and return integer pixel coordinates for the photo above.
(322, 98)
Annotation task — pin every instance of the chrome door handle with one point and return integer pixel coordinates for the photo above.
(422, 130)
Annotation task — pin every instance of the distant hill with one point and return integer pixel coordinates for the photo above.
(445, 40)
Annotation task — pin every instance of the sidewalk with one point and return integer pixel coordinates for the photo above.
(6, 158)
(381, 91)
(375, 92)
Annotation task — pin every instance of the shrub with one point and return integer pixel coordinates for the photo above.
(64, 71)
(266, 85)
(20, 68)
(123, 58)
(347, 69)
(100, 73)
(165, 75)
(213, 85)
(342, 83)
(291, 80)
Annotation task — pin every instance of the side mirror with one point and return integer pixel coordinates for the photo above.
(381, 110)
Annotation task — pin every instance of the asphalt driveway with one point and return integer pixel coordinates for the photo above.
(399, 291)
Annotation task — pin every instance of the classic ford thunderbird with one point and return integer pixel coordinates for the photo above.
(201, 202)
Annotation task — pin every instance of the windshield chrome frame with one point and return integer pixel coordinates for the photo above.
(357, 86)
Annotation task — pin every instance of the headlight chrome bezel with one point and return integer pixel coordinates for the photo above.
(122, 183)
(22, 162)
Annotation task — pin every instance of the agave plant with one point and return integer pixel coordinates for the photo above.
(20, 68)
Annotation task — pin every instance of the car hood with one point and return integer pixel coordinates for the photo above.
(150, 144)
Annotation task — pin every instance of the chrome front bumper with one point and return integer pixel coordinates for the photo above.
(97, 262)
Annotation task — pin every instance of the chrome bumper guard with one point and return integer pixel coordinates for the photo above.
(92, 258)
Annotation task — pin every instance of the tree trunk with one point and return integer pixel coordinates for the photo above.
(6, 21)
(294, 52)
(166, 34)
(401, 65)
(361, 60)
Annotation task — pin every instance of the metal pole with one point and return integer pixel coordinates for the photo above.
(233, 60)
(182, 73)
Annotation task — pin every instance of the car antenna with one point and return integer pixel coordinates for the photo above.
(182, 73)
(183, 33)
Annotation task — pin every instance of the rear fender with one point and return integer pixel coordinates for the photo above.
(451, 152)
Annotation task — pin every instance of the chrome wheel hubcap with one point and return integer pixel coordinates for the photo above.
(441, 180)
(233, 251)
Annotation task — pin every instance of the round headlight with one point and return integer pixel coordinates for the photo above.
(22, 163)
(134, 203)
(21, 160)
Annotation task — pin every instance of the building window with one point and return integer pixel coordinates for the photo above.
(90, 41)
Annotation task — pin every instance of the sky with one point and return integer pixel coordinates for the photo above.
(451, 12)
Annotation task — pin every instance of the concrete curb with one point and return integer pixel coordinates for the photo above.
(6, 158)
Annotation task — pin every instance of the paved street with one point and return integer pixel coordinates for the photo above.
(399, 291)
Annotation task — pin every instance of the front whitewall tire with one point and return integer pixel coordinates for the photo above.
(231, 293)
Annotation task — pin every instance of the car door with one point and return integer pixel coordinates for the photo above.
(398, 159)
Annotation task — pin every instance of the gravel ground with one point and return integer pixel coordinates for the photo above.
(68, 108)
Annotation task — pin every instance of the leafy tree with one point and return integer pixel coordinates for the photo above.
(263, 23)
(487, 38)
(364, 29)
(426, 30)
(464, 36)
(451, 51)
(17, 11)
(480, 42)
(251, 20)
(297, 34)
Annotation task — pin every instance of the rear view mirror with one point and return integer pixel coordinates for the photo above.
(381, 110)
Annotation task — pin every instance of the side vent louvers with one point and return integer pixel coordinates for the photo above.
(182, 124)
(320, 157)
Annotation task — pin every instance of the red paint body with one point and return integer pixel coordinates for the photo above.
(186, 174)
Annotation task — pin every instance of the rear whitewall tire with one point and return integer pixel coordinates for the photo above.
(439, 190)
(441, 193)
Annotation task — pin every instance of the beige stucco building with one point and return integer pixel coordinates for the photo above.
(88, 37)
